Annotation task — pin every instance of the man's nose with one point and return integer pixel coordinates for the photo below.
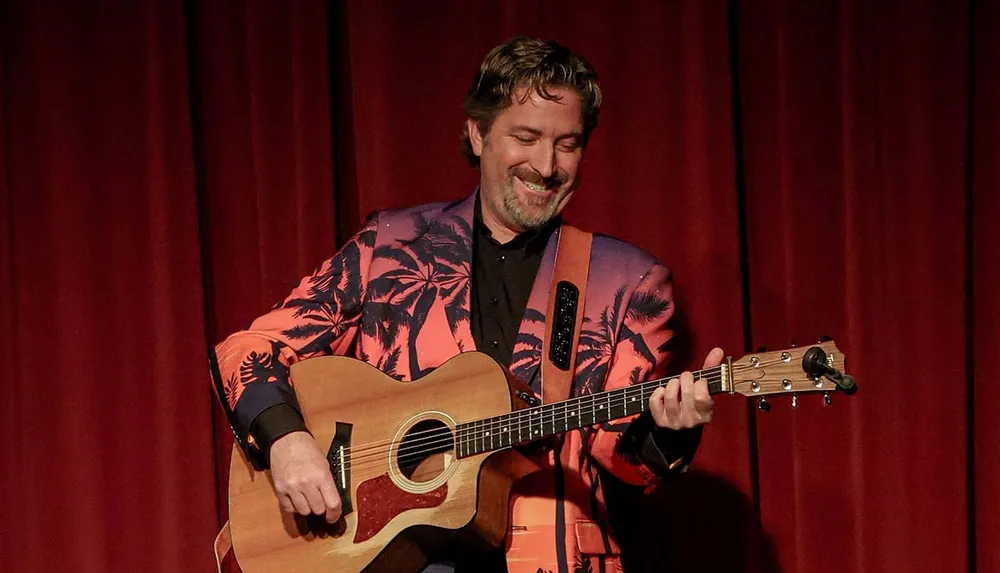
(543, 160)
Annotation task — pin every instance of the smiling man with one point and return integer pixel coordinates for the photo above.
(417, 286)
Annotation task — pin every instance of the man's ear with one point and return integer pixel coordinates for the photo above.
(475, 137)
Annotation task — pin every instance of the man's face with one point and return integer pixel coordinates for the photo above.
(529, 159)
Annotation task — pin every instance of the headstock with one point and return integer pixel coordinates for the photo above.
(814, 368)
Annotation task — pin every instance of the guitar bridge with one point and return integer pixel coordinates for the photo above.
(339, 456)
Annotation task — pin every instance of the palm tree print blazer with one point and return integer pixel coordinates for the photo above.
(397, 296)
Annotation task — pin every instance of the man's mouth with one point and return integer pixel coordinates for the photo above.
(536, 187)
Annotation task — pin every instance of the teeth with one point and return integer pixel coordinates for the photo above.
(532, 186)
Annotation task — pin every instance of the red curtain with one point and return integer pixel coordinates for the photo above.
(169, 170)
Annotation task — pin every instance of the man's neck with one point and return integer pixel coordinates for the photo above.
(501, 232)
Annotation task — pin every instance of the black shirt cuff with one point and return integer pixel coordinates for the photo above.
(671, 451)
(663, 450)
(274, 422)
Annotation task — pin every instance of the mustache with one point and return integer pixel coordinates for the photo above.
(553, 181)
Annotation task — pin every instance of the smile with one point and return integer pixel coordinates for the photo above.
(533, 187)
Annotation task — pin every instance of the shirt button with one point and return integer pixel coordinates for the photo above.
(501, 258)
(494, 344)
(495, 301)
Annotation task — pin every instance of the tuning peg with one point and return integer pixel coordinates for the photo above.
(761, 349)
(792, 344)
(827, 400)
(764, 405)
(824, 338)
(795, 401)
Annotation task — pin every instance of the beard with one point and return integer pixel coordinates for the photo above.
(530, 211)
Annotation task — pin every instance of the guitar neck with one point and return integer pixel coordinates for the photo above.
(528, 425)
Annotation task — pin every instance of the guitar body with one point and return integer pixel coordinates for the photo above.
(401, 500)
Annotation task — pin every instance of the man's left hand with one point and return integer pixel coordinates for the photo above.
(685, 402)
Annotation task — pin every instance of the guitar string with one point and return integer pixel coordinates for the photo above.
(444, 437)
(439, 437)
(446, 440)
(377, 445)
(473, 432)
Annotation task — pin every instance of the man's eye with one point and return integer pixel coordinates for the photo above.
(569, 146)
(525, 140)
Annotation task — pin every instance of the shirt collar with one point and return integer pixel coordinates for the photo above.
(532, 239)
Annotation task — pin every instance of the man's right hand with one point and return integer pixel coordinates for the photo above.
(301, 477)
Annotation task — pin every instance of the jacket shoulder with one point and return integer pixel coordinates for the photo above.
(407, 222)
(617, 257)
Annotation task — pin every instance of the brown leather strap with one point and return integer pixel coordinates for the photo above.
(223, 543)
(572, 265)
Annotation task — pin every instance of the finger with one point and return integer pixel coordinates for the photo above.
(703, 402)
(299, 503)
(701, 393)
(285, 503)
(714, 357)
(671, 399)
(315, 498)
(656, 403)
(332, 500)
(687, 392)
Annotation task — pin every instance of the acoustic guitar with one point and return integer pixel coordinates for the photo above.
(437, 455)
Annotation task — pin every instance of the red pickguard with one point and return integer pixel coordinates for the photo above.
(379, 500)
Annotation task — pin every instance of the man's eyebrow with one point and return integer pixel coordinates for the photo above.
(538, 132)
(531, 130)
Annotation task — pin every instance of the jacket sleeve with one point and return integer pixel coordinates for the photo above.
(321, 316)
(642, 352)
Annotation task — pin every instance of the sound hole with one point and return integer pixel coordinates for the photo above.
(426, 449)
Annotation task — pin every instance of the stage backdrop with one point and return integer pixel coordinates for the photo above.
(171, 169)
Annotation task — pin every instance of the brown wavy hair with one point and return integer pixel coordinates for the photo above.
(539, 65)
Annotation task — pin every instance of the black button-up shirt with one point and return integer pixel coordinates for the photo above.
(502, 277)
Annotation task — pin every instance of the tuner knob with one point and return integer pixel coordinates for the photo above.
(764, 405)
(792, 344)
(827, 400)
(824, 338)
(795, 401)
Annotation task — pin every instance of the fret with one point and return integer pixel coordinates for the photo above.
(637, 400)
(505, 440)
(479, 446)
(619, 403)
(548, 412)
(460, 440)
(491, 433)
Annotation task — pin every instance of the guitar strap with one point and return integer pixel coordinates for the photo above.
(564, 320)
(564, 316)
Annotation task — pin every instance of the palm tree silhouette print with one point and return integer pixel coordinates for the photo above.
(433, 263)
(333, 304)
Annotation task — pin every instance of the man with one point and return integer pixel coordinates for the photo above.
(416, 286)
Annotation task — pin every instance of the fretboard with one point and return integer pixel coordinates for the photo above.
(528, 425)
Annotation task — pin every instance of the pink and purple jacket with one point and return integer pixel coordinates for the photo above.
(397, 296)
